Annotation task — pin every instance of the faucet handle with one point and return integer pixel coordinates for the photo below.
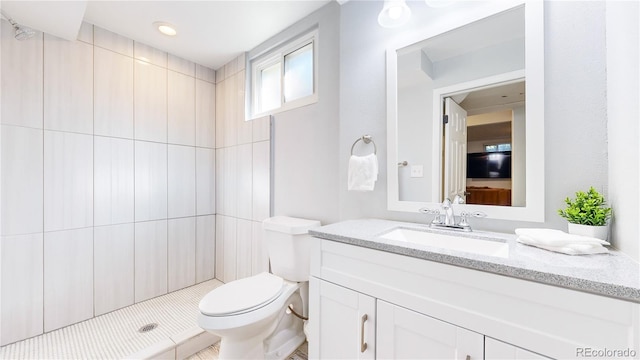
(436, 212)
(466, 214)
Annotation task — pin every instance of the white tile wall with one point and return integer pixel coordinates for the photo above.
(112, 41)
(150, 181)
(181, 65)
(103, 155)
(181, 109)
(261, 128)
(150, 259)
(230, 175)
(205, 181)
(68, 277)
(113, 181)
(220, 184)
(150, 105)
(219, 263)
(21, 313)
(113, 90)
(231, 111)
(261, 180)
(68, 180)
(229, 239)
(68, 85)
(205, 247)
(149, 54)
(205, 73)
(205, 114)
(221, 113)
(113, 268)
(21, 196)
(259, 254)
(243, 248)
(244, 181)
(182, 181)
(22, 79)
(182, 253)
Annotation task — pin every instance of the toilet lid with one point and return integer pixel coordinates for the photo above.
(242, 295)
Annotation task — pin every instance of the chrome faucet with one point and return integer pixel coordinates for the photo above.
(449, 216)
(445, 216)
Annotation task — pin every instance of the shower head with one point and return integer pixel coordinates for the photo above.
(21, 32)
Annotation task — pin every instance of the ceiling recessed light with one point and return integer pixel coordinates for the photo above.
(165, 28)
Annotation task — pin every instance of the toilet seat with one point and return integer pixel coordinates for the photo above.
(242, 296)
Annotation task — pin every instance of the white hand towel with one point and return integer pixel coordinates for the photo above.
(569, 249)
(553, 237)
(363, 172)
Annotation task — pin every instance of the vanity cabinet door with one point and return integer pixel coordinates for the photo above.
(406, 334)
(342, 322)
(498, 350)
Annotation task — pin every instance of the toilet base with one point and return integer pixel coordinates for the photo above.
(286, 348)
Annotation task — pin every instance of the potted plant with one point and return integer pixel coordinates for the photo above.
(588, 214)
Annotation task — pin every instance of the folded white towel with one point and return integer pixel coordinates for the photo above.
(553, 237)
(569, 249)
(363, 172)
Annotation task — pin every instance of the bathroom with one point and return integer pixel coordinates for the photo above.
(224, 176)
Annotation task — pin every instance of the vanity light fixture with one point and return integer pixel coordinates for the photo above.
(165, 28)
(394, 13)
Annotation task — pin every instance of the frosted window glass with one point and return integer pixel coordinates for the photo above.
(298, 73)
(270, 87)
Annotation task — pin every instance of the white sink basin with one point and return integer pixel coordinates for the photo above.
(451, 242)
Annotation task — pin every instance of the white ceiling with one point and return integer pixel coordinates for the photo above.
(209, 32)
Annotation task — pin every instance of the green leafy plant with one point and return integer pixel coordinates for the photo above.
(588, 208)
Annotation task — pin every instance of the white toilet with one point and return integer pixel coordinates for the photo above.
(251, 315)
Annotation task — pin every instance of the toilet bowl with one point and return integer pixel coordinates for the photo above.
(251, 315)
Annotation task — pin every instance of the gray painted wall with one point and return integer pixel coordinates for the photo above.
(623, 96)
(305, 140)
(312, 144)
(575, 110)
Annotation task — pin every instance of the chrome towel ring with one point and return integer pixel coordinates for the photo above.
(366, 139)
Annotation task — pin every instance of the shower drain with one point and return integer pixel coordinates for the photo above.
(148, 327)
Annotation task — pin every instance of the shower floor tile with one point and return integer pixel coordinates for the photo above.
(115, 335)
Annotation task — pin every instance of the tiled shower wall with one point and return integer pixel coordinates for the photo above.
(243, 182)
(107, 177)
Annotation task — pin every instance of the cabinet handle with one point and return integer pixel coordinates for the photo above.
(363, 345)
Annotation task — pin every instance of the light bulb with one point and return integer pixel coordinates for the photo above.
(166, 28)
(395, 12)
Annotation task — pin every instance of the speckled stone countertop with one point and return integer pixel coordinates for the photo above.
(614, 274)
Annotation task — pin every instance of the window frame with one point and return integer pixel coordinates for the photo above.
(275, 55)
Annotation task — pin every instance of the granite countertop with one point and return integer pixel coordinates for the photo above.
(614, 274)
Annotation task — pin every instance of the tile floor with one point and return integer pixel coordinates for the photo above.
(115, 335)
(211, 353)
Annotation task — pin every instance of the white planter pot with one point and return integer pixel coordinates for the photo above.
(598, 232)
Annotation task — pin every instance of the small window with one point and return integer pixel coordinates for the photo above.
(497, 147)
(284, 78)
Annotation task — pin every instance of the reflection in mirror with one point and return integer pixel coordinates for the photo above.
(485, 155)
(463, 119)
(480, 50)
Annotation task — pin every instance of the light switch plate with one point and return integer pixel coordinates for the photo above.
(417, 171)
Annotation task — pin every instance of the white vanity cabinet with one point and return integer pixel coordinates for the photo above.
(406, 334)
(352, 325)
(417, 308)
(346, 322)
(498, 350)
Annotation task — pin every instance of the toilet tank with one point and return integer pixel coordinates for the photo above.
(289, 246)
